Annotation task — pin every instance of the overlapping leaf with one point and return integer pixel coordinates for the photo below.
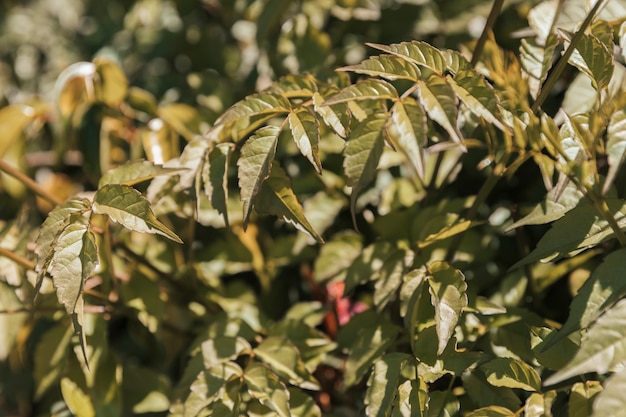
(336, 117)
(406, 129)
(584, 395)
(254, 165)
(537, 60)
(126, 206)
(511, 373)
(255, 105)
(412, 399)
(284, 359)
(362, 154)
(440, 102)
(418, 52)
(382, 384)
(594, 59)
(265, 386)
(305, 130)
(615, 147)
(389, 67)
(370, 89)
(135, 172)
(478, 95)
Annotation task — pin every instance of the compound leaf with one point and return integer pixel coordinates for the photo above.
(420, 53)
(478, 95)
(370, 89)
(440, 102)
(134, 172)
(305, 130)
(389, 67)
(406, 129)
(255, 105)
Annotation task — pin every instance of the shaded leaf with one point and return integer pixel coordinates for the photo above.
(362, 154)
(321, 210)
(284, 359)
(406, 129)
(302, 405)
(336, 117)
(220, 349)
(615, 147)
(418, 52)
(145, 390)
(337, 255)
(582, 397)
(440, 102)
(382, 384)
(603, 347)
(448, 296)
(484, 394)
(277, 197)
(477, 95)
(126, 206)
(492, 411)
(134, 172)
(411, 400)
(215, 177)
(254, 165)
(511, 373)
(537, 60)
(386, 66)
(370, 89)
(389, 279)
(593, 58)
(265, 386)
(50, 357)
(305, 130)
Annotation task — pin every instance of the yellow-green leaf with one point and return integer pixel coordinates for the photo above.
(584, 394)
(215, 177)
(440, 103)
(134, 172)
(418, 52)
(255, 105)
(511, 373)
(382, 385)
(389, 67)
(77, 399)
(615, 147)
(265, 386)
(112, 84)
(492, 411)
(406, 129)
(593, 58)
(371, 89)
(478, 95)
(284, 359)
(305, 130)
(336, 117)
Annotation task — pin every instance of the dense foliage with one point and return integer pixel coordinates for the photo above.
(339, 208)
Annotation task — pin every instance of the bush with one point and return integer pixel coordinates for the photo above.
(369, 240)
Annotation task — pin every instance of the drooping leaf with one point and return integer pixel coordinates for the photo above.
(583, 396)
(277, 197)
(128, 207)
(255, 105)
(448, 296)
(447, 232)
(440, 102)
(603, 347)
(321, 210)
(74, 87)
(593, 58)
(254, 165)
(615, 147)
(370, 89)
(284, 359)
(305, 130)
(418, 52)
(362, 154)
(411, 400)
(134, 172)
(265, 386)
(383, 383)
(389, 67)
(336, 117)
(215, 177)
(406, 129)
(511, 373)
(478, 95)
(603, 288)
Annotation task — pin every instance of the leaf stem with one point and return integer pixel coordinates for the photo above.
(491, 20)
(29, 183)
(26, 263)
(562, 62)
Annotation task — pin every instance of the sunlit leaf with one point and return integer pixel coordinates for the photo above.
(610, 401)
(145, 390)
(406, 129)
(221, 349)
(583, 396)
(284, 359)
(77, 399)
(254, 105)
(126, 206)
(254, 165)
(412, 399)
(448, 296)
(337, 117)
(210, 386)
(537, 60)
(13, 121)
(418, 52)
(215, 177)
(337, 255)
(511, 373)
(615, 147)
(594, 59)
(492, 411)
(370, 89)
(182, 118)
(302, 405)
(321, 210)
(112, 84)
(383, 383)
(277, 197)
(305, 130)
(74, 87)
(134, 172)
(478, 95)
(265, 386)
(362, 154)
(389, 67)
(440, 102)
(50, 356)
(295, 86)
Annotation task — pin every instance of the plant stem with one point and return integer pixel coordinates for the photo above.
(603, 209)
(562, 62)
(491, 20)
(29, 183)
(26, 263)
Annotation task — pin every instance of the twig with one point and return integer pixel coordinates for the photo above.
(29, 183)
(26, 263)
(491, 20)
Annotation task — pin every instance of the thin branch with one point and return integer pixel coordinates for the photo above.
(26, 263)
(29, 183)
(491, 20)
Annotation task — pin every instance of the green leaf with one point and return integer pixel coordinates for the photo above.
(448, 296)
(389, 67)
(477, 95)
(295, 86)
(182, 118)
(582, 397)
(210, 386)
(593, 58)
(580, 228)
(277, 197)
(50, 357)
(492, 411)
(484, 394)
(266, 104)
(511, 373)
(265, 386)
(362, 154)
(305, 130)
(389, 279)
(440, 102)
(220, 349)
(13, 120)
(145, 390)
(602, 348)
(447, 232)
(77, 399)
(367, 335)
(406, 130)
(134, 172)
(417, 52)
(383, 384)
(254, 165)
(611, 400)
(412, 399)
(366, 267)
(112, 84)
(215, 177)
(371, 89)
(128, 207)
(321, 210)
(537, 60)
(336, 117)
(615, 147)
(302, 405)
(312, 344)
(284, 359)
(337, 255)
(443, 404)
(604, 287)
